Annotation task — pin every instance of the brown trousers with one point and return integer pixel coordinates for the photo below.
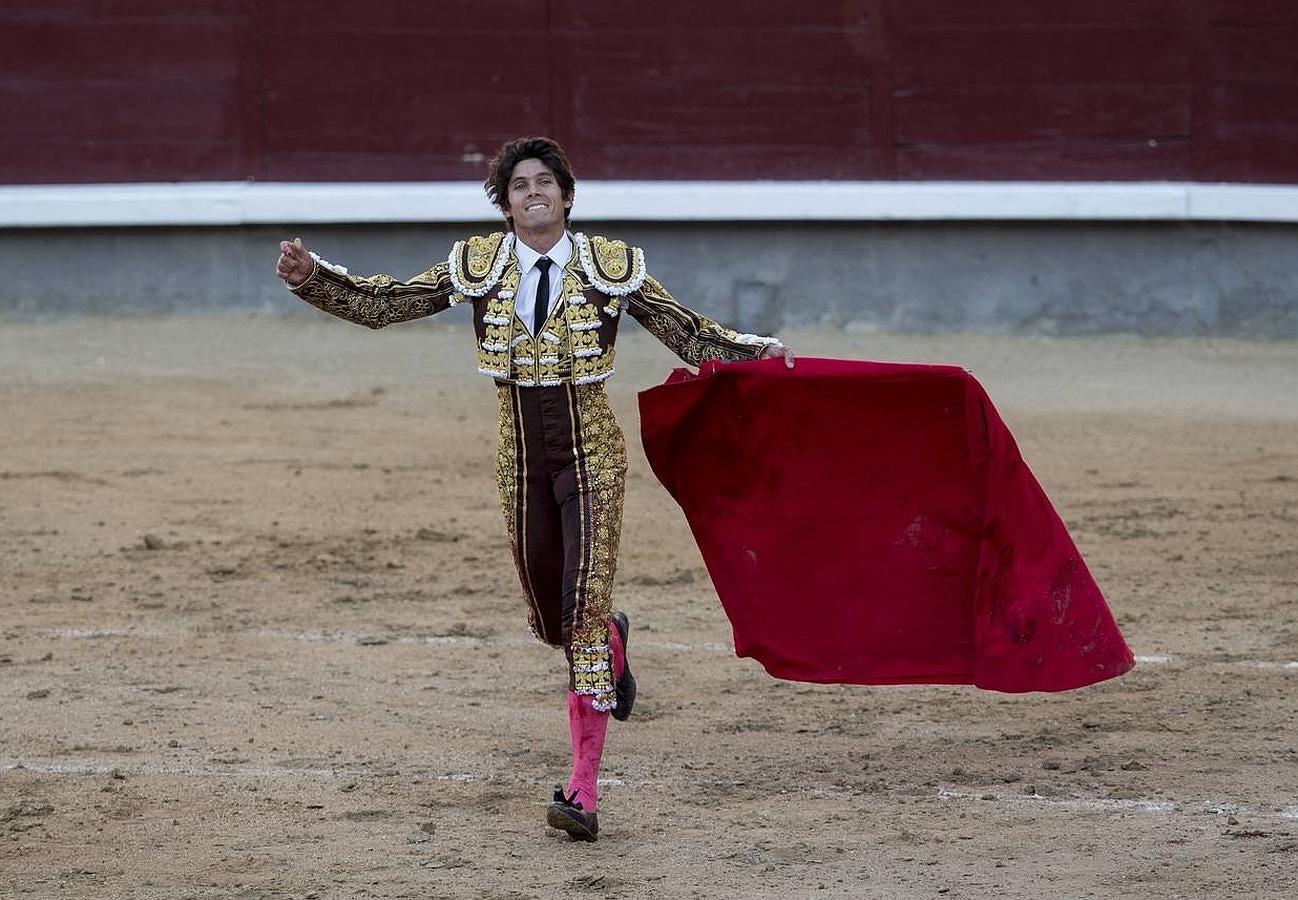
(562, 472)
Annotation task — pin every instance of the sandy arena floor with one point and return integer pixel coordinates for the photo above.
(261, 637)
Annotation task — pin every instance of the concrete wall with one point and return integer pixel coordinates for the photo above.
(1045, 278)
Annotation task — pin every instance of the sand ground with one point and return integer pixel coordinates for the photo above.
(260, 637)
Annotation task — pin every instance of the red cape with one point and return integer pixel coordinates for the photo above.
(873, 523)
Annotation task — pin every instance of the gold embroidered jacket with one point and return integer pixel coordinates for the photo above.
(576, 343)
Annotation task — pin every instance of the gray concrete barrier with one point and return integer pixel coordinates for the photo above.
(1007, 277)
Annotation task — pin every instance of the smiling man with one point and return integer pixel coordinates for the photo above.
(546, 307)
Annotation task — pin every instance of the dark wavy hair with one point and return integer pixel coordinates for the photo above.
(514, 152)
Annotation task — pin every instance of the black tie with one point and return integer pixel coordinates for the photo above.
(542, 309)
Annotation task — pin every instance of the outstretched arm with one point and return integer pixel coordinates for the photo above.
(374, 301)
(692, 337)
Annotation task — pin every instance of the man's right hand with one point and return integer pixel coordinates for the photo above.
(295, 264)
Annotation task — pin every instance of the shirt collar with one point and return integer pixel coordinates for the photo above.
(559, 254)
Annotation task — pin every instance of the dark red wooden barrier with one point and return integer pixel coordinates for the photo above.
(144, 90)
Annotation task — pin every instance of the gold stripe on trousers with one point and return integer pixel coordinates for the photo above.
(561, 472)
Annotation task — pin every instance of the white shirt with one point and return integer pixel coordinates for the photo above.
(525, 299)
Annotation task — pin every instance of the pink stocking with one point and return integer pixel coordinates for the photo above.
(588, 726)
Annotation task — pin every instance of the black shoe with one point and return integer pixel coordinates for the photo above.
(567, 816)
(625, 686)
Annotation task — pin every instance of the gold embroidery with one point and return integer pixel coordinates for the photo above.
(611, 266)
(481, 254)
(377, 300)
(602, 466)
(475, 264)
(582, 318)
(611, 256)
(499, 329)
(587, 369)
(692, 337)
(572, 286)
(508, 478)
(585, 340)
(509, 280)
(599, 448)
(579, 346)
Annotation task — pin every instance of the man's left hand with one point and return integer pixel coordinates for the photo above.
(776, 350)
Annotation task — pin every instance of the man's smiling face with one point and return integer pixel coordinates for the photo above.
(536, 201)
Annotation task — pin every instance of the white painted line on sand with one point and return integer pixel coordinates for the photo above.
(1117, 805)
(153, 768)
(41, 767)
(1080, 803)
(92, 633)
(711, 646)
(353, 637)
(238, 770)
(347, 637)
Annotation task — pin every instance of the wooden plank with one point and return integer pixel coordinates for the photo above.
(398, 121)
(1248, 162)
(976, 115)
(879, 51)
(1050, 54)
(694, 61)
(1250, 12)
(121, 11)
(434, 20)
(1253, 55)
(134, 112)
(1201, 150)
(939, 14)
(367, 166)
(361, 62)
(1047, 160)
(1249, 132)
(614, 159)
(250, 130)
(1248, 111)
(149, 92)
(692, 15)
(75, 51)
(826, 89)
(415, 107)
(727, 115)
(688, 100)
(73, 159)
(392, 90)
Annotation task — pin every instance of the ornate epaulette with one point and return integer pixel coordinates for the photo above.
(612, 267)
(476, 264)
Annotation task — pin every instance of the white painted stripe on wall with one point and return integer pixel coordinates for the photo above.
(253, 203)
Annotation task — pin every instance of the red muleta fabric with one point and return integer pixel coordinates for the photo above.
(874, 523)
